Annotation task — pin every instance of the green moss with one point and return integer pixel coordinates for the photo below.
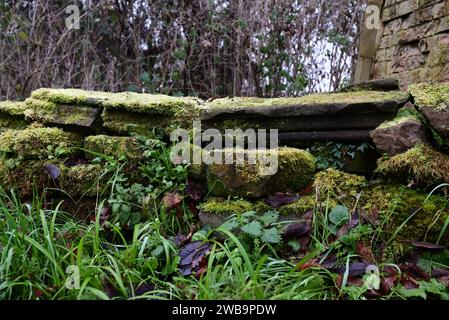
(23, 176)
(339, 182)
(12, 115)
(130, 101)
(295, 171)
(76, 181)
(39, 110)
(12, 108)
(431, 95)
(413, 215)
(33, 142)
(303, 205)
(398, 120)
(121, 122)
(82, 180)
(113, 146)
(421, 164)
(226, 207)
(318, 99)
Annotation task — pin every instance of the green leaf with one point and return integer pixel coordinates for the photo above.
(269, 217)
(271, 236)
(253, 229)
(145, 77)
(230, 224)
(339, 215)
(23, 36)
(157, 251)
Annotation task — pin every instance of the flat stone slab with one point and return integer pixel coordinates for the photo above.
(344, 121)
(78, 116)
(337, 136)
(311, 105)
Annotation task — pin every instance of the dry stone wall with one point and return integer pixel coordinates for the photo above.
(411, 45)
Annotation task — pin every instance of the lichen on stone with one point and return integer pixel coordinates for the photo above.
(33, 142)
(431, 95)
(421, 164)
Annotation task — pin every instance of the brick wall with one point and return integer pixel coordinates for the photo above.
(413, 43)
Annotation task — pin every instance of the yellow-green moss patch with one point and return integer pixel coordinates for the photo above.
(12, 108)
(295, 170)
(421, 164)
(336, 181)
(431, 95)
(33, 142)
(130, 101)
(220, 206)
(412, 215)
(82, 180)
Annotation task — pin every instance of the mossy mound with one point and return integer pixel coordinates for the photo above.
(112, 146)
(215, 211)
(82, 180)
(31, 175)
(12, 108)
(12, 115)
(410, 214)
(339, 182)
(295, 170)
(32, 143)
(227, 207)
(421, 164)
(431, 95)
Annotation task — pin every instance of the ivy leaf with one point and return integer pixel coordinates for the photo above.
(271, 236)
(339, 215)
(269, 217)
(253, 229)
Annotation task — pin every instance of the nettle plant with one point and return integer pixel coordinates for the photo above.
(264, 228)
